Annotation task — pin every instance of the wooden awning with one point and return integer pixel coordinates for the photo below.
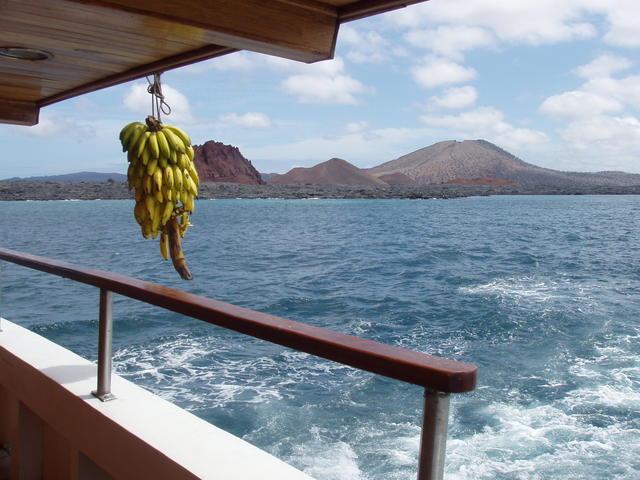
(92, 44)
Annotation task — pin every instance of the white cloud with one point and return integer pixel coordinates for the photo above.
(434, 72)
(233, 62)
(138, 100)
(608, 132)
(365, 47)
(356, 127)
(455, 98)
(53, 124)
(514, 21)
(603, 66)
(579, 104)
(325, 82)
(623, 18)
(238, 61)
(450, 40)
(249, 120)
(487, 123)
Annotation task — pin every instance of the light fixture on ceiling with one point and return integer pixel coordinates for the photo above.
(22, 53)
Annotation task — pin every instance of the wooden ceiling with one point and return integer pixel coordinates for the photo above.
(100, 43)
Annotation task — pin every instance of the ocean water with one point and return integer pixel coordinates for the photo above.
(542, 293)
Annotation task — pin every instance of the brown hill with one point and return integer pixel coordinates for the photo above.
(332, 172)
(482, 181)
(217, 162)
(450, 160)
(397, 179)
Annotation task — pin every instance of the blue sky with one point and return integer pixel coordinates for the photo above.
(555, 82)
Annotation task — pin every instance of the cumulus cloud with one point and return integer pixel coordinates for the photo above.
(454, 98)
(578, 104)
(138, 100)
(514, 21)
(623, 19)
(603, 66)
(450, 40)
(609, 134)
(487, 123)
(52, 124)
(364, 46)
(325, 82)
(436, 71)
(356, 127)
(249, 120)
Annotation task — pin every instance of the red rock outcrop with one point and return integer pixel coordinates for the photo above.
(217, 162)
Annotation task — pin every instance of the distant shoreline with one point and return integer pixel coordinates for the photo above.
(21, 190)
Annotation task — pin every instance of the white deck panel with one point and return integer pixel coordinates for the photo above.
(205, 450)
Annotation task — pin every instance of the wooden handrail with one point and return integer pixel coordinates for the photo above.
(431, 372)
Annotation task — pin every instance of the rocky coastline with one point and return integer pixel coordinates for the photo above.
(22, 190)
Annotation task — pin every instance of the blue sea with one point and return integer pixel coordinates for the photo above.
(541, 292)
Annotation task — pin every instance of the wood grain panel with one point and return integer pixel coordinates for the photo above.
(98, 43)
(18, 113)
(274, 27)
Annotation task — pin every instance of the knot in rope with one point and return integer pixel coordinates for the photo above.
(158, 105)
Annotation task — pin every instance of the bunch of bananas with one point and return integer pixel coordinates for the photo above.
(162, 172)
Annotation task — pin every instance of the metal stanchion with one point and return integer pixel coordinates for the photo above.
(104, 347)
(434, 435)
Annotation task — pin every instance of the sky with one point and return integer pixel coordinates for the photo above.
(554, 82)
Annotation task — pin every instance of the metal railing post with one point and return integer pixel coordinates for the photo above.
(434, 435)
(104, 346)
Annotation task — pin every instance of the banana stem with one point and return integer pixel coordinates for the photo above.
(175, 249)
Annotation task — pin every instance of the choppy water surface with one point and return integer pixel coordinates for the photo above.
(542, 293)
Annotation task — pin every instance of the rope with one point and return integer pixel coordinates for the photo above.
(158, 104)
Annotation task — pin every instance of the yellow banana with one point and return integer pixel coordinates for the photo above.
(174, 157)
(141, 169)
(190, 185)
(140, 213)
(162, 162)
(174, 141)
(164, 245)
(148, 185)
(132, 136)
(168, 177)
(157, 177)
(166, 214)
(158, 195)
(133, 139)
(180, 133)
(142, 143)
(150, 204)
(163, 145)
(126, 130)
(194, 174)
(177, 178)
(189, 204)
(152, 145)
(131, 172)
(190, 152)
(157, 217)
(183, 160)
(152, 166)
(146, 157)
